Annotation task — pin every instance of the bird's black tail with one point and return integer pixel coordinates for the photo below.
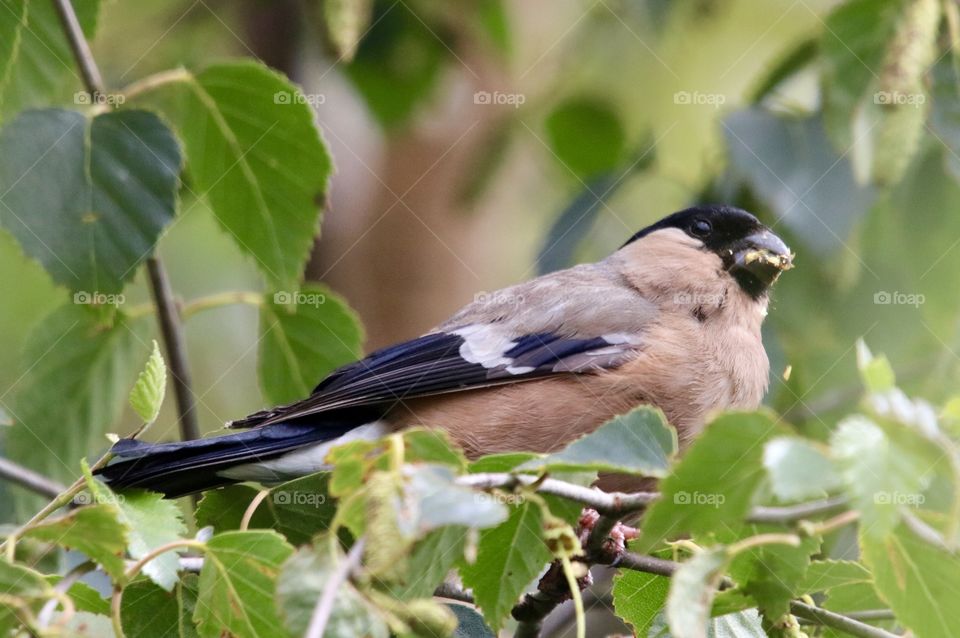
(177, 469)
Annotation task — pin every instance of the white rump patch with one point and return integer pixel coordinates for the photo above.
(303, 461)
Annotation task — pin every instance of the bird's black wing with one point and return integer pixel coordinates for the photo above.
(440, 362)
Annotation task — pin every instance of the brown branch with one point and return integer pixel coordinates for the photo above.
(168, 315)
(25, 477)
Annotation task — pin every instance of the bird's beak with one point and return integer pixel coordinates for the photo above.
(764, 256)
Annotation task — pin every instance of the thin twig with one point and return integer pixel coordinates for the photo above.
(324, 607)
(171, 327)
(33, 481)
(92, 79)
(838, 621)
(62, 587)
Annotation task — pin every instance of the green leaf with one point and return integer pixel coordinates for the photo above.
(691, 592)
(23, 585)
(586, 136)
(504, 462)
(35, 57)
(430, 445)
(93, 530)
(85, 597)
(824, 575)
(945, 114)
(147, 610)
(799, 470)
(146, 397)
(88, 198)
(432, 559)
(638, 442)
(253, 149)
(876, 372)
(919, 581)
(638, 597)
(882, 475)
(298, 509)
(237, 584)
(87, 366)
(398, 63)
(431, 499)
(304, 335)
(714, 484)
(470, 623)
(302, 581)
(152, 521)
(509, 557)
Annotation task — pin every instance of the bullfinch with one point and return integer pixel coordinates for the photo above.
(671, 319)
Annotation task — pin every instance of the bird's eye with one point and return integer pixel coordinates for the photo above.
(701, 228)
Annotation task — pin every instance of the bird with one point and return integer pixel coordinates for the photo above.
(671, 319)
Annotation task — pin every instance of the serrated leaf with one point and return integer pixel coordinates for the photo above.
(146, 397)
(431, 499)
(875, 371)
(504, 462)
(638, 442)
(237, 585)
(88, 198)
(509, 557)
(432, 446)
(147, 610)
(152, 521)
(87, 366)
(23, 585)
(36, 64)
(691, 592)
(253, 149)
(433, 557)
(638, 598)
(881, 475)
(918, 580)
(714, 484)
(824, 575)
(304, 336)
(302, 581)
(798, 470)
(93, 530)
(298, 509)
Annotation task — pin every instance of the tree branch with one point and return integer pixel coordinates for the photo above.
(170, 323)
(171, 327)
(25, 477)
(324, 607)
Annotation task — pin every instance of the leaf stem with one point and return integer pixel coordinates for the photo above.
(219, 300)
(252, 508)
(92, 79)
(151, 82)
(324, 607)
(575, 594)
